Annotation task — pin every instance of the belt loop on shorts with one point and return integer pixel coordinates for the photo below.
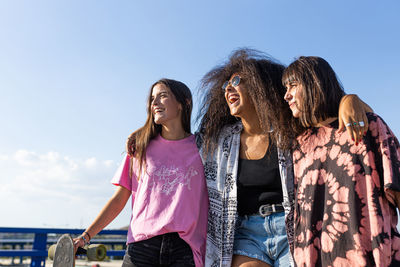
(268, 209)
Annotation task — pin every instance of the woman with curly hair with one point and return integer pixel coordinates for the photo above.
(246, 131)
(346, 194)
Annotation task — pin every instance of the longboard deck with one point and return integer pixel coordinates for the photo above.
(64, 252)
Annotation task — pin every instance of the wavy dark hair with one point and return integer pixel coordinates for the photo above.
(322, 90)
(140, 139)
(262, 75)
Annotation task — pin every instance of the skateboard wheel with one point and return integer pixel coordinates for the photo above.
(52, 250)
(96, 252)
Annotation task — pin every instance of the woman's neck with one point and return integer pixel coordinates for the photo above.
(251, 125)
(173, 132)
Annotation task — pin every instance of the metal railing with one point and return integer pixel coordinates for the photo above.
(37, 246)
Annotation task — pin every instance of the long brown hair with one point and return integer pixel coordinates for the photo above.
(262, 75)
(140, 139)
(322, 90)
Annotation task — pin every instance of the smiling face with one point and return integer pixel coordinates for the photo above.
(164, 106)
(237, 98)
(293, 96)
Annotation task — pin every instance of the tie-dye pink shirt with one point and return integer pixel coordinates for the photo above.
(344, 210)
(171, 196)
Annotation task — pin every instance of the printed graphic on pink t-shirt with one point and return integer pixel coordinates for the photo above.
(167, 178)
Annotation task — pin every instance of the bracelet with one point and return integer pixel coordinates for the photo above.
(84, 240)
(90, 238)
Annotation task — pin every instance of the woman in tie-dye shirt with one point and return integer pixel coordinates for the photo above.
(346, 194)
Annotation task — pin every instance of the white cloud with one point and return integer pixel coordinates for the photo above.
(53, 190)
(91, 162)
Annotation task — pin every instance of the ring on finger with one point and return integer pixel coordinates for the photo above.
(361, 123)
(354, 123)
(348, 124)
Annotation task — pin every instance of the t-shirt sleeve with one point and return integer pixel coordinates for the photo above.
(390, 153)
(121, 176)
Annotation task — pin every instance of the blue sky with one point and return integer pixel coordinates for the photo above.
(74, 77)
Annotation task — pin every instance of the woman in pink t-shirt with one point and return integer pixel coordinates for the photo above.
(164, 175)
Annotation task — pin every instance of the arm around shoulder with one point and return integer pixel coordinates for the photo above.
(352, 115)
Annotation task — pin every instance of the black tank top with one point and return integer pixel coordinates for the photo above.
(259, 182)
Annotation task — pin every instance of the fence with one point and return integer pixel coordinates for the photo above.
(37, 247)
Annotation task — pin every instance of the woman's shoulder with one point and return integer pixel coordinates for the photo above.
(226, 131)
(375, 121)
(371, 116)
(378, 127)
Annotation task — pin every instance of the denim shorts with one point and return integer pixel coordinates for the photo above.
(162, 250)
(263, 238)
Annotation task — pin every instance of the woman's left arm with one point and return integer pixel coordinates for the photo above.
(352, 115)
(387, 149)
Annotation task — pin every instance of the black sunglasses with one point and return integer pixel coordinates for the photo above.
(234, 82)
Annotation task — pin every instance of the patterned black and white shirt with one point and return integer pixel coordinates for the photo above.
(220, 169)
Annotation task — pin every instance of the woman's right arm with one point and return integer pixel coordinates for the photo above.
(352, 112)
(112, 208)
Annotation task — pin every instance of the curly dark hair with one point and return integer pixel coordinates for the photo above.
(262, 75)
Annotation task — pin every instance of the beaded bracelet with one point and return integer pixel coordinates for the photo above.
(90, 238)
(84, 240)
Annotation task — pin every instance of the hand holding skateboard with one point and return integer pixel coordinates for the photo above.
(63, 253)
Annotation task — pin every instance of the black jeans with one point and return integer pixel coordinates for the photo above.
(162, 250)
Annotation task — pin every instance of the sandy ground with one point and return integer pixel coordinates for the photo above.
(78, 263)
(81, 263)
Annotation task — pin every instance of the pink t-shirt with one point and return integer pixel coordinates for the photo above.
(171, 195)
